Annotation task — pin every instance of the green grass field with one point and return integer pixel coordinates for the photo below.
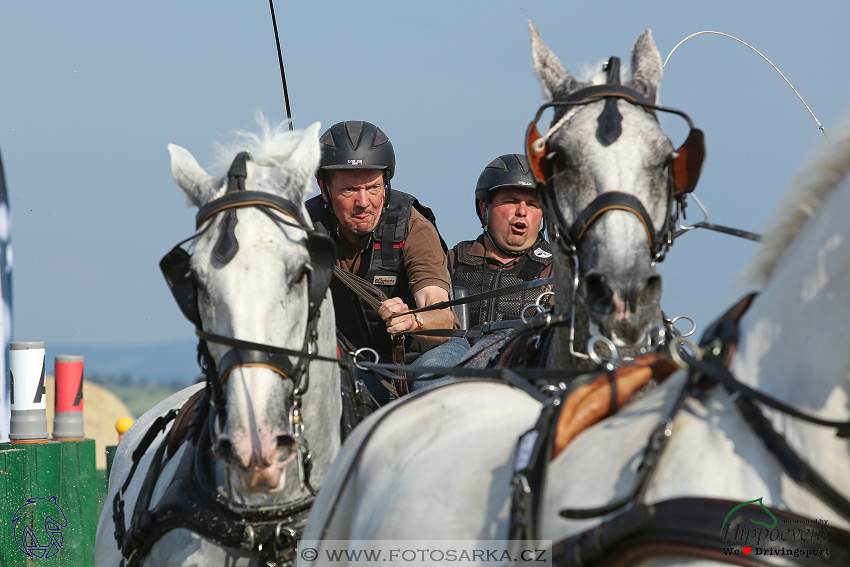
(140, 399)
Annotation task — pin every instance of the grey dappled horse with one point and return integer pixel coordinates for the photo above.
(236, 484)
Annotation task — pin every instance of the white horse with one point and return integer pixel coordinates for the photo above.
(792, 347)
(440, 467)
(613, 186)
(273, 426)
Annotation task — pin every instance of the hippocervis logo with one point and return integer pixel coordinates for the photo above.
(793, 538)
(38, 527)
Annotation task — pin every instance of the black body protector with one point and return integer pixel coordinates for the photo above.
(473, 273)
(357, 321)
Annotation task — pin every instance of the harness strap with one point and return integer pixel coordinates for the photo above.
(608, 201)
(183, 422)
(248, 199)
(374, 296)
(694, 527)
(530, 463)
(118, 502)
(720, 228)
(191, 502)
(712, 366)
(368, 292)
(652, 453)
(481, 296)
(791, 462)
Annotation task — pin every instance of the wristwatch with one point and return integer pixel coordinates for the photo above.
(419, 321)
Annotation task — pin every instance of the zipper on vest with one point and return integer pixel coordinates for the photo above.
(491, 311)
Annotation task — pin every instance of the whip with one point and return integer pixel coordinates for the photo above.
(820, 126)
(282, 73)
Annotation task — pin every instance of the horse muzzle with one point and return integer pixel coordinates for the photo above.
(623, 308)
(258, 462)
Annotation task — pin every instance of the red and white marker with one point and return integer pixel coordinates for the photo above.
(68, 418)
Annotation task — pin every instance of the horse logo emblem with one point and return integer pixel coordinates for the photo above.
(38, 527)
(742, 504)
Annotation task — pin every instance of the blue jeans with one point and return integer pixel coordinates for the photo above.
(449, 353)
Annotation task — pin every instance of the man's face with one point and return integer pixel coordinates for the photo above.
(357, 196)
(514, 218)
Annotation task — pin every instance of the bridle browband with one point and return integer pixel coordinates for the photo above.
(685, 166)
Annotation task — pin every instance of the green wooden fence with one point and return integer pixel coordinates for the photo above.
(36, 473)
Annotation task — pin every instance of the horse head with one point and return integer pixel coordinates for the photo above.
(252, 272)
(606, 169)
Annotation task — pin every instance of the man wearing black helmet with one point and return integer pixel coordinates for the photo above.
(511, 250)
(388, 239)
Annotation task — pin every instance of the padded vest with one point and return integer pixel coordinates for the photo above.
(357, 321)
(472, 273)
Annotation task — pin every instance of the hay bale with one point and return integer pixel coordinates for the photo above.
(101, 409)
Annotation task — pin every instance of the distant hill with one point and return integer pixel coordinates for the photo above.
(165, 363)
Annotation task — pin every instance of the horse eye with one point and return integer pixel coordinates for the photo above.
(299, 276)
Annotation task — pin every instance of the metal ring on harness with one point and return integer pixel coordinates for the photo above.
(369, 350)
(693, 325)
(540, 308)
(541, 296)
(591, 349)
(679, 342)
(655, 337)
(530, 306)
(290, 537)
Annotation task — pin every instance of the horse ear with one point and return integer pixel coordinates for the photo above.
(557, 81)
(301, 164)
(198, 185)
(646, 67)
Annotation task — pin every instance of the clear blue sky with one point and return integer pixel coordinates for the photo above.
(91, 93)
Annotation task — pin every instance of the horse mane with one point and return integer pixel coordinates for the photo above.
(271, 146)
(820, 175)
(593, 73)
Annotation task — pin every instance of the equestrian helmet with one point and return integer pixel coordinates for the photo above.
(355, 144)
(509, 170)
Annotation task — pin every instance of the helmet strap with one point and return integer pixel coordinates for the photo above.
(388, 191)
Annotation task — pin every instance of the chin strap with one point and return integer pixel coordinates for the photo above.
(515, 253)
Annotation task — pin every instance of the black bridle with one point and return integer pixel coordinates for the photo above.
(684, 167)
(177, 269)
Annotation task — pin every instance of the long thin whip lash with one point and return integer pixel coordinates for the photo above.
(820, 126)
(282, 74)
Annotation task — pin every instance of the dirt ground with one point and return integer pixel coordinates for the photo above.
(101, 409)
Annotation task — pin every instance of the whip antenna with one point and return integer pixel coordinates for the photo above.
(820, 126)
(282, 74)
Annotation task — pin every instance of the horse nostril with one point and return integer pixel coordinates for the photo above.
(599, 295)
(286, 445)
(224, 449)
(652, 292)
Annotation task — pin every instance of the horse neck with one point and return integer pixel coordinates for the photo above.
(793, 343)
